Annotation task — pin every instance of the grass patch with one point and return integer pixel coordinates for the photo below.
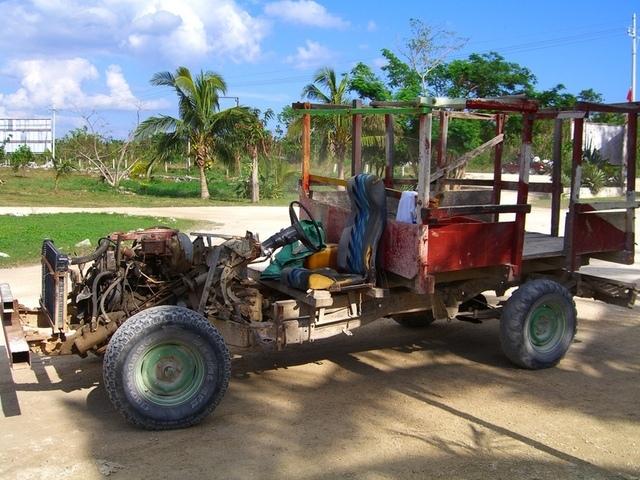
(163, 188)
(21, 236)
(35, 188)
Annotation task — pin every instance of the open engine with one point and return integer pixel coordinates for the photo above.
(87, 298)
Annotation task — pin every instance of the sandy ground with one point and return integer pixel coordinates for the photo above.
(386, 403)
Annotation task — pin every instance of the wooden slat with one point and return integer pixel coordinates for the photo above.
(462, 210)
(589, 206)
(503, 104)
(405, 181)
(504, 185)
(471, 115)
(318, 106)
(338, 182)
(319, 179)
(467, 156)
(609, 108)
(480, 182)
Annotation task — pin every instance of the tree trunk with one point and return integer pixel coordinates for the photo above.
(255, 183)
(340, 170)
(204, 188)
(149, 170)
(341, 166)
(55, 185)
(237, 167)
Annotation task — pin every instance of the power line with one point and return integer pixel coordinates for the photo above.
(524, 47)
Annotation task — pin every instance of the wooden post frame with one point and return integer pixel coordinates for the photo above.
(306, 150)
(424, 162)
(632, 143)
(442, 139)
(497, 163)
(576, 169)
(556, 183)
(523, 192)
(388, 150)
(356, 140)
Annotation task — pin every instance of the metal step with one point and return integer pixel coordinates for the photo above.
(614, 292)
(15, 341)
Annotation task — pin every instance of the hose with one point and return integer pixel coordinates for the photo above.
(106, 294)
(94, 295)
(102, 247)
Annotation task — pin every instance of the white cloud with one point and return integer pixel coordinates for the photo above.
(304, 12)
(380, 62)
(59, 83)
(180, 30)
(313, 54)
(372, 26)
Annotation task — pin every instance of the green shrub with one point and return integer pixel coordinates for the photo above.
(593, 177)
(21, 157)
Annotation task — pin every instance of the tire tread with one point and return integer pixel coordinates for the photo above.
(134, 328)
(514, 316)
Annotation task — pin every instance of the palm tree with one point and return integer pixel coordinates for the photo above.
(201, 124)
(254, 136)
(338, 129)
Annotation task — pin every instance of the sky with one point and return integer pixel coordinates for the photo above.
(95, 57)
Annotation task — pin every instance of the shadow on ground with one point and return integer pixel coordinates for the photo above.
(387, 403)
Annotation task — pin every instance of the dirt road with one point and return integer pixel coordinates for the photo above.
(386, 403)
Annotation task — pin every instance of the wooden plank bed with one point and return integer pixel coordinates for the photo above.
(541, 245)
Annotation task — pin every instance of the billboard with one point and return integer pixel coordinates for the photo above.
(36, 133)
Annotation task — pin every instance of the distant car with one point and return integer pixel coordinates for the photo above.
(511, 167)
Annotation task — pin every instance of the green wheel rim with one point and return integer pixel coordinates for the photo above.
(546, 324)
(169, 374)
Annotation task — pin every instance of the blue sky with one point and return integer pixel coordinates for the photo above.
(86, 56)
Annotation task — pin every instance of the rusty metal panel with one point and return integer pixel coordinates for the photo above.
(333, 218)
(400, 248)
(599, 232)
(459, 246)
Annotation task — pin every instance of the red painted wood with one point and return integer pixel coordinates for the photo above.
(459, 246)
(400, 248)
(596, 234)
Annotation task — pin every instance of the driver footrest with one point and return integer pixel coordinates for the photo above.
(318, 279)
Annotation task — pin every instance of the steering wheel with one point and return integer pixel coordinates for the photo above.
(302, 235)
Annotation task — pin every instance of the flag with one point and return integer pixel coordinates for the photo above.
(630, 96)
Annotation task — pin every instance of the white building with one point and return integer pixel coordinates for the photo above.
(36, 133)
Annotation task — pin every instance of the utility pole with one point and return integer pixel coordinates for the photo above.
(53, 132)
(237, 99)
(634, 47)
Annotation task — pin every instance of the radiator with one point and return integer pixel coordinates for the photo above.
(53, 300)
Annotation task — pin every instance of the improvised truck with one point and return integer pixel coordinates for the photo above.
(163, 308)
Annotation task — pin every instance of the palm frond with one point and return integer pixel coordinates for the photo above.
(163, 79)
(154, 125)
(312, 92)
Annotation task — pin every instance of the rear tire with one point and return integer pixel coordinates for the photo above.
(166, 367)
(538, 324)
(415, 319)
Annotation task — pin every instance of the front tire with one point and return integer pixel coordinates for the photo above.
(166, 367)
(538, 324)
